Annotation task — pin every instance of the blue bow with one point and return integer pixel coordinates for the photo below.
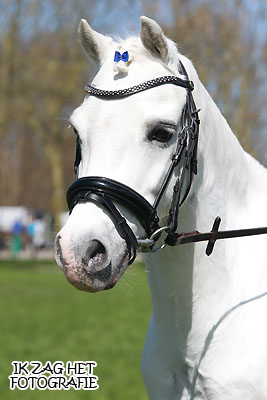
(121, 57)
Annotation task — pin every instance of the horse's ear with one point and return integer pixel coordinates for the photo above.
(95, 44)
(153, 38)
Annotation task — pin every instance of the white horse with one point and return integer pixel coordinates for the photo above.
(207, 337)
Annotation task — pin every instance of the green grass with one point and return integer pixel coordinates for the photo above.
(44, 318)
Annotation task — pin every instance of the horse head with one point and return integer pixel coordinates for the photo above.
(127, 141)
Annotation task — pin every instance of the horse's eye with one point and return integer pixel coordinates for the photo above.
(160, 134)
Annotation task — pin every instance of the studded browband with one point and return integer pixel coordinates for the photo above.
(113, 94)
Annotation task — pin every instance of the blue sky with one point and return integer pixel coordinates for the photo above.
(124, 17)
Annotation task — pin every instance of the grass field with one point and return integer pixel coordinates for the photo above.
(44, 318)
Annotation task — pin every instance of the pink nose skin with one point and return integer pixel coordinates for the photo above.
(66, 260)
(91, 270)
(64, 250)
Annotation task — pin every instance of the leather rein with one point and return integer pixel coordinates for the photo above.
(104, 191)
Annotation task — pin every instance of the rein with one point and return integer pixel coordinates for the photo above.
(103, 191)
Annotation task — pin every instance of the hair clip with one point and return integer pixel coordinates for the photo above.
(121, 57)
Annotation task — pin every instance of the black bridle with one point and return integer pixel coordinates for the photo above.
(104, 191)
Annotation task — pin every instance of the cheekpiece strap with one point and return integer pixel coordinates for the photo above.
(139, 88)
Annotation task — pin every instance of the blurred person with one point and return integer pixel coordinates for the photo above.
(2, 240)
(30, 235)
(39, 233)
(16, 244)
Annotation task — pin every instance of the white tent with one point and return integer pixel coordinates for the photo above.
(9, 215)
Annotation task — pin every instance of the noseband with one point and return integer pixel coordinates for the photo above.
(104, 192)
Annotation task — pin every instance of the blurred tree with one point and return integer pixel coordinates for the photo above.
(10, 65)
(42, 76)
(10, 46)
(229, 53)
(57, 70)
(43, 70)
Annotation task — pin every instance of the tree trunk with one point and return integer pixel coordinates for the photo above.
(53, 156)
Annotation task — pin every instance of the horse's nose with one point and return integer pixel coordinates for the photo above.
(86, 266)
(91, 255)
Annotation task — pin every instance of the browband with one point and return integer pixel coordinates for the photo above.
(113, 94)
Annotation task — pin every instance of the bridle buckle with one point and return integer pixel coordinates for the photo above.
(148, 245)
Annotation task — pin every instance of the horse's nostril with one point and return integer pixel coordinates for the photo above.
(96, 248)
(96, 256)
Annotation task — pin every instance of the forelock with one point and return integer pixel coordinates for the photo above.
(138, 53)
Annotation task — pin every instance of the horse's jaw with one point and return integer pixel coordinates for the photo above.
(91, 260)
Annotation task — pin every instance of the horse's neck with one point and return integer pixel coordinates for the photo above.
(190, 290)
(221, 158)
